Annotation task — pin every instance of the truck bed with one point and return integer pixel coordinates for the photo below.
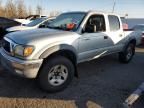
(136, 34)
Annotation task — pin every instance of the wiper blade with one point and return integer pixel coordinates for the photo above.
(60, 28)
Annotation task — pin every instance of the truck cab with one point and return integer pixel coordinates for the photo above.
(102, 34)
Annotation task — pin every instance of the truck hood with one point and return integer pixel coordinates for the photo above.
(18, 28)
(35, 35)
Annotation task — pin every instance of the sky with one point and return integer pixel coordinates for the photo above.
(134, 8)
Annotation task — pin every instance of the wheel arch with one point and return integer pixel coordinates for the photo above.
(58, 48)
(67, 51)
(132, 40)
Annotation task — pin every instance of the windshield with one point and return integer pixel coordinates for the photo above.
(139, 27)
(35, 22)
(67, 21)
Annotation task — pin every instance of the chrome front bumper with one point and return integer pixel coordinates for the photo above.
(25, 68)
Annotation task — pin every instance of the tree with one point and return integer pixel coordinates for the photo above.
(21, 9)
(1, 9)
(10, 9)
(30, 11)
(54, 13)
(38, 10)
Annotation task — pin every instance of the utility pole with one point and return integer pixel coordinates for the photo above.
(126, 17)
(113, 9)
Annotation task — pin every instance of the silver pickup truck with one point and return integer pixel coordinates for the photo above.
(51, 54)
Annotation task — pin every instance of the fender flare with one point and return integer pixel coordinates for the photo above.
(130, 40)
(56, 48)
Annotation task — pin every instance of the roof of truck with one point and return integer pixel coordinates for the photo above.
(101, 12)
(93, 11)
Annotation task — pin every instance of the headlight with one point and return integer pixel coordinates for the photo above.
(23, 51)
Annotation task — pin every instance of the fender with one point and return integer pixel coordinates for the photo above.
(56, 48)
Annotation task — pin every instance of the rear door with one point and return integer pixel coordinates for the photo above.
(116, 33)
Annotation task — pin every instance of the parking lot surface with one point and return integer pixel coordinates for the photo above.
(102, 83)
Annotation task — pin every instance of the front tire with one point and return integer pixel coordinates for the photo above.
(127, 55)
(56, 74)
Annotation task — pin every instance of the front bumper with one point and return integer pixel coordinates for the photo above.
(25, 68)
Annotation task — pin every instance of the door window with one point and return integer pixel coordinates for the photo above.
(96, 23)
(114, 23)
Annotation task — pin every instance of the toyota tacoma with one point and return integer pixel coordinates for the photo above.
(51, 54)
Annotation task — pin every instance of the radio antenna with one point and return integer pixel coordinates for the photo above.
(113, 9)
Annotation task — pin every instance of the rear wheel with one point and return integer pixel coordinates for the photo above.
(56, 74)
(127, 55)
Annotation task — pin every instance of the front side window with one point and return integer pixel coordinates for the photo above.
(96, 23)
(68, 21)
(114, 23)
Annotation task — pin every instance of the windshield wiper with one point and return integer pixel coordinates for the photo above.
(60, 28)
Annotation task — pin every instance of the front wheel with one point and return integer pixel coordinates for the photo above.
(127, 55)
(56, 74)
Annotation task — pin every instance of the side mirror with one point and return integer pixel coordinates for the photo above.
(90, 29)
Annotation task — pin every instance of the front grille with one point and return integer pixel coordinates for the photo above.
(6, 46)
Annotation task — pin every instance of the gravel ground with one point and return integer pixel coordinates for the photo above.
(102, 83)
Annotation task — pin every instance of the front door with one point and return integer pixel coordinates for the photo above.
(94, 42)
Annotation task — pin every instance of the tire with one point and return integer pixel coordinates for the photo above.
(56, 74)
(127, 55)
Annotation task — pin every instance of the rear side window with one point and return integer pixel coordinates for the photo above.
(114, 23)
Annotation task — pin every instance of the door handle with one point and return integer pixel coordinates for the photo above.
(105, 37)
